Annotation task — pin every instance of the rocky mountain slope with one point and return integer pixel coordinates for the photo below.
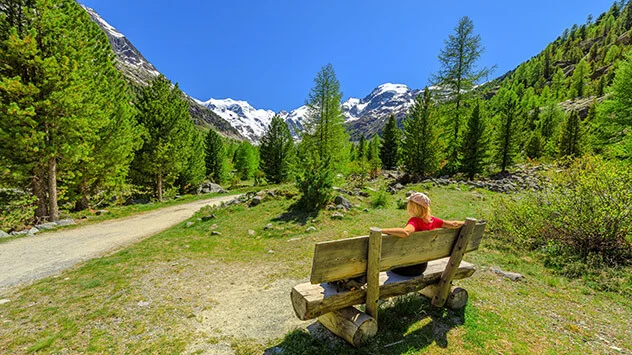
(140, 71)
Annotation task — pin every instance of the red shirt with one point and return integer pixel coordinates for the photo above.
(421, 225)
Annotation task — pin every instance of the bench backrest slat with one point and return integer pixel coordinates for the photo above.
(341, 259)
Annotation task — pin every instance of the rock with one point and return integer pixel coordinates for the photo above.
(45, 226)
(268, 226)
(339, 200)
(65, 222)
(310, 229)
(32, 231)
(256, 201)
(270, 251)
(4, 234)
(214, 226)
(478, 195)
(337, 215)
(330, 207)
(100, 212)
(251, 232)
(341, 208)
(143, 304)
(206, 218)
(513, 276)
(216, 233)
(189, 224)
(18, 233)
(208, 187)
(395, 188)
(5, 300)
(273, 351)
(366, 210)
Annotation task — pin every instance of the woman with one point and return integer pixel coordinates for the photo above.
(421, 219)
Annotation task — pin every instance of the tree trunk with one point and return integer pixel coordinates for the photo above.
(52, 190)
(39, 190)
(159, 187)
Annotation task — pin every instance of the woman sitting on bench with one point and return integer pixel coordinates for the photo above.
(421, 219)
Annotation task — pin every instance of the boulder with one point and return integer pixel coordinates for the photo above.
(4, 234)
(189, 224)
(256, 201)
(339, 200)
(32, 231)
(100, 212)
(46, 226)
(209, 187)
(65, 222)
(310, 229)
(268, 226)
(337, 215)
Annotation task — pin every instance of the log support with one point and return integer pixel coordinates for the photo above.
(457, 297)
(349, 323)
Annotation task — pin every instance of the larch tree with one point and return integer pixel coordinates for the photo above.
(215, 156)
(278, 153)
(420, 149)
(570, 139)
(194, 170)
(164, 116)
(507, 127)
(475, 143)
(389, 150)
(246, 160)
(457, 76)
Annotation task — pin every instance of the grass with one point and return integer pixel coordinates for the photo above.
(162, 295)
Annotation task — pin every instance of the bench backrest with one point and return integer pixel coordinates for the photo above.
(345, 258)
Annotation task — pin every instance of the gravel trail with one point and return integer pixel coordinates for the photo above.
(28, 259)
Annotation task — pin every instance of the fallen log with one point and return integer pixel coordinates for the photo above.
(350, 324)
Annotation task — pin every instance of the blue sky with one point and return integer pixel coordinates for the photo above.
(268, 52)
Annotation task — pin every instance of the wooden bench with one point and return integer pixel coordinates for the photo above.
(374, 255)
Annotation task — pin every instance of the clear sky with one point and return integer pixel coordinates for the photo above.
(268, 52)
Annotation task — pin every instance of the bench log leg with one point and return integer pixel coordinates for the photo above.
(350, 324)
(457, 297)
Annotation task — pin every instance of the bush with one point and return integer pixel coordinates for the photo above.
(583, 217)
(380, 199)
(17, 209)
(316, 186)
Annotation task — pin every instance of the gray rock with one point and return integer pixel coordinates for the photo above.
(339, 200)
(251, 232)
(216, 233)
(206, 218)
(310, 229)
(4, 234)
(337, 215)
(5, 300)
(65, 222)
(14, 233)
(208, 187)
(214, 226)
(189, 224)
(513, 276)
(100, 212)
(256, 201)
(341, 208)
(366, 210)
(330, 207)
(46, 226)
(32, 231)
(268, 226)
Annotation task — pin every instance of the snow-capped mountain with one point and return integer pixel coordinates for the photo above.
(250, 122)
(140, 71)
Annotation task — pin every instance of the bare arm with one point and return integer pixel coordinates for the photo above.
(400, 232)
(453, 224)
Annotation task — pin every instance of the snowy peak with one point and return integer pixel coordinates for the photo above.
(250, 122)
(384, 99)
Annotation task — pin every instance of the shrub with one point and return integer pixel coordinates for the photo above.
(316, 186)
(584, 216)
(17, 209)
(380, 199)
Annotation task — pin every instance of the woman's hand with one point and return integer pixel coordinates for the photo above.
(400, 232)
(453, 224)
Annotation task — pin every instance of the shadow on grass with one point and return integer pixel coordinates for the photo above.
(408, 325)
(295, 215)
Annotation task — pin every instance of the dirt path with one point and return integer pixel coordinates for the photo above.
(29, 259)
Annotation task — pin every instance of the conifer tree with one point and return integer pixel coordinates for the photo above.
(164, 115)
(60, 97)
(194, 171)
(420, 149)
(579, 79)
(558, 83)
(214, 157)
(475, 142)
(246, 160)
(458, 74)
(571, 136)
(533, 148)
(389, 150)
(278, 152)
(507, 127)
(362, 149)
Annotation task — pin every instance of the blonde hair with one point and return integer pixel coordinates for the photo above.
(417, 210)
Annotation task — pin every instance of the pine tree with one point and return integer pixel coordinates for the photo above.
(475, 142)
(60, 97)
(164, 115)
(195, 169)
(362, 149)
(420, 149)
(571, 136)
(506, 135)
(389, 150)
(533, 148)
(278, 152)
(214, 157)
(246, 160)
(558, 83)
(457, 75)
(579, 79)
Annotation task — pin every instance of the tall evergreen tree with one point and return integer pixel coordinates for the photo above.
(389, 150)
(246, 160)
(579, 80)
(60, 97)
(164, 114)
(507, 128)
(278, 152)
(362, 148)
(458, 74)
(194, 171)
(420, 149)
(214, 157)
(475, 143)
(558, 83)
(571, 136)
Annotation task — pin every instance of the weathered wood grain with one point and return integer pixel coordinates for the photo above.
(341, 259)
(350, 324)
(310, 301)
(373, 272)
(443, 289)
(457, 298)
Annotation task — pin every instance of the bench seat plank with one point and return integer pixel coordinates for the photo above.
(346, 258)
(311, 301)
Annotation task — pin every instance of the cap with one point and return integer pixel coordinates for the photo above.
(420, 198)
